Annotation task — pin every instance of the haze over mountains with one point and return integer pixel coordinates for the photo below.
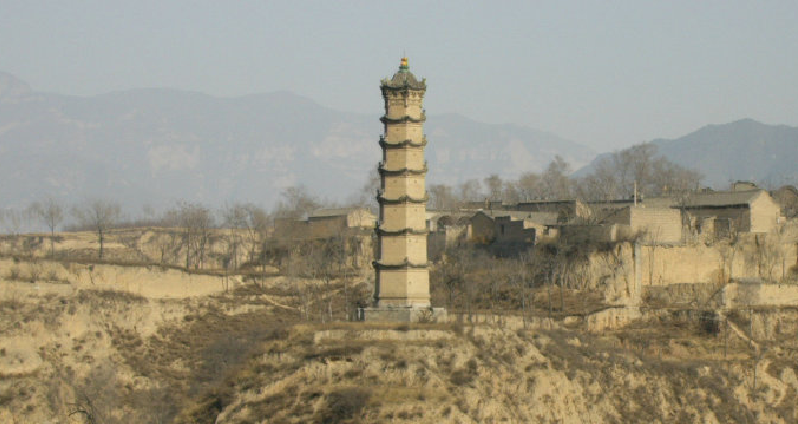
(743, 150)
(157, 146)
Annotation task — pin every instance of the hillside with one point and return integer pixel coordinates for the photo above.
(245, 356)
(131, 340)
(154, 146)
(741, 150)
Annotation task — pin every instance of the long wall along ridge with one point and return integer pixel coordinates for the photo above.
(402, 273)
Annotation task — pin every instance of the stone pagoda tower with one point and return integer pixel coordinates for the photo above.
(401, 286)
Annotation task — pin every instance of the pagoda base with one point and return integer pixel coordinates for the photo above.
(402, 314)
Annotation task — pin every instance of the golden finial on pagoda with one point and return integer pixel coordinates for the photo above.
(403, 63)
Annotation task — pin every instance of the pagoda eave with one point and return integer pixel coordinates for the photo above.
(403, 120)
(388, 86)
(403, 265)
(402, 232)
(402, 200)
(403, 173)
(402, 144)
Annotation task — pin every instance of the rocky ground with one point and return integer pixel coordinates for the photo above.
(249, 356)
(108, 343)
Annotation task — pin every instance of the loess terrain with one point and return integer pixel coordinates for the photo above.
(247, 356)
(108, 343)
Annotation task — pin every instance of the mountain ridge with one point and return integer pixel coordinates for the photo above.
(744, 149)
(155, 146)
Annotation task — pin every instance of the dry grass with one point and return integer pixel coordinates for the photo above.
(265, 365)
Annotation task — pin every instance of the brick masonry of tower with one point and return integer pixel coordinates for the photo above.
(401, 288)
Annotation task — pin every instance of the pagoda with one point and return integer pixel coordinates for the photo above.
(401, 284)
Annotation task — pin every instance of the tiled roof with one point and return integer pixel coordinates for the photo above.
(404, 79)
(326, 213)
(723, 198)
(548, 202)
(546, 218)
(711, 198)
(401, 79)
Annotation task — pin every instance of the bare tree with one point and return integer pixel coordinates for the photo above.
(166, 237)
(12, 220)
(322, 258)
(495, 187)
(51, 213)
(196, 222)
(528, 186)
(770, 255)
(292, 266)
(510, 193)
(496, 272)
(469, 191)
(235, 220)
(520, 278)
(297, 202)
(441, 197)
(149, 216)
(729, 248)
(366, 197)
(787, 198)
(257, 224)
(617, 175)
(555, 181)
(453, 273)
(602, 184)
(100, 215)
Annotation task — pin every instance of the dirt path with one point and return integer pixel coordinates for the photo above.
(276, 303)
(743, 336)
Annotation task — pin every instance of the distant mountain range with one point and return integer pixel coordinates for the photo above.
(741, 150)
(157, 146)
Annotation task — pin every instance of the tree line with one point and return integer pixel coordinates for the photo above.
(194, 221)
(614, 176)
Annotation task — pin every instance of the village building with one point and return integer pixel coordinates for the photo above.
(331, 222)
(722, 212)
(503, 226)
(325, 223)
(707, 215)
(290, 227)
(446, 229)
(440, 219)
(650, 225)
(510, 231)
(487, 205)
(567, 210)
(602, 209)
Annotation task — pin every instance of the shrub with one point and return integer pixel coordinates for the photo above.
(461, 377)
(52, 275)
(35, 272)
(343, 404)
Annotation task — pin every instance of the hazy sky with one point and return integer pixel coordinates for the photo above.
(604, 73)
